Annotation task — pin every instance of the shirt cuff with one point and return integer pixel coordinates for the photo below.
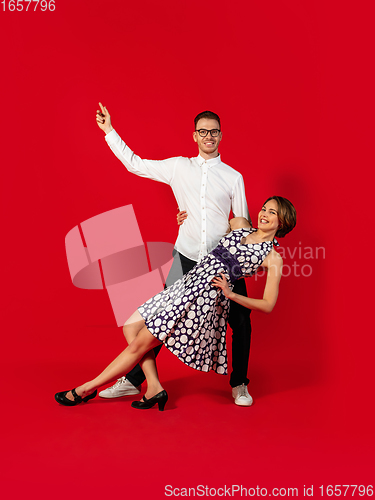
(111, 136)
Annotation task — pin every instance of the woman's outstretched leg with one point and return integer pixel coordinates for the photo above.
(133, 326)
(124, 362)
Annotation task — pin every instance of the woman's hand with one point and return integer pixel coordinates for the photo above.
(223, 284)
(181, 216)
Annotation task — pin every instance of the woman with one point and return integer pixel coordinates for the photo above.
(190, 316)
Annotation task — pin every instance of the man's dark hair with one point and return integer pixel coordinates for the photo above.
(206, 114)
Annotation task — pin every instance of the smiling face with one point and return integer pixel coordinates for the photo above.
(208, 146)
(268, 218)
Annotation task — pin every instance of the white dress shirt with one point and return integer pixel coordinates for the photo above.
(206, 189)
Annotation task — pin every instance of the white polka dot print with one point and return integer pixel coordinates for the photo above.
(190, 316)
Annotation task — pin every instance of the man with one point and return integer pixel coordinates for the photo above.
(207, 190)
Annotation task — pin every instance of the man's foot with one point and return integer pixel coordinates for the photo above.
(242, 396)
(121, 388)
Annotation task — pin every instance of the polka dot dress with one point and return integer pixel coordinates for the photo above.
(190, 316)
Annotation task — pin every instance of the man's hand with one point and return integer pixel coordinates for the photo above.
(223, 284)
(181, 216)
(103, 119)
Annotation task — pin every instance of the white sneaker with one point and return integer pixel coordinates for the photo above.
(121, 388)
(242, 396)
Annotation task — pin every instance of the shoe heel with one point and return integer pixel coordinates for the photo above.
(159, 399)
(162, 404)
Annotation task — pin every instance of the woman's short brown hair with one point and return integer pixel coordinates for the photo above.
(287, 215)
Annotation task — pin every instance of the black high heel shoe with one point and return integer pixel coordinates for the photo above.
(161, 398)
(63, 400)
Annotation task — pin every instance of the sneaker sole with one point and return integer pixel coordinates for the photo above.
(132, 393)
(238, 403)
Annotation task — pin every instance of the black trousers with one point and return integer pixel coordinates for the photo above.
(239, 321)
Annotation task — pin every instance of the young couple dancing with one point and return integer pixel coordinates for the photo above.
(204, 289)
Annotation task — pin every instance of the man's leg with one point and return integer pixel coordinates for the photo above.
(130, 384)
(239, 321)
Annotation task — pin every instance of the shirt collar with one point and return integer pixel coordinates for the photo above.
(210, 163)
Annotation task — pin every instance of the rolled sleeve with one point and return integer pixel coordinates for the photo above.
(239, 203)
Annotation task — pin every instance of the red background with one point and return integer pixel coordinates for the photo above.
(293, 84)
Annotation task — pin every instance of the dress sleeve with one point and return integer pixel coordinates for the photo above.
(161, 171)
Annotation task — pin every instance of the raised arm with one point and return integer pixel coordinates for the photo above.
(161, 171)
(274, 264)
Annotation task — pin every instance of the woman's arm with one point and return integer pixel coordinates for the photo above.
(235, 223)
(238, 223)
(271, 290)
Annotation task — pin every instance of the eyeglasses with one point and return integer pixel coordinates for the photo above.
(203, 132)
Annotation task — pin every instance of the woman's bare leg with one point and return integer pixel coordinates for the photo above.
(141, 344)
(148, 366)
(131, 328)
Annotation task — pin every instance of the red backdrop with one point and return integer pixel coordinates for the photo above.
(293, 84)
